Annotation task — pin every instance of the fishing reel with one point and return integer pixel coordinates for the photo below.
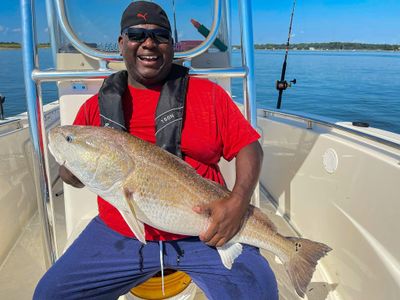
(282, 85)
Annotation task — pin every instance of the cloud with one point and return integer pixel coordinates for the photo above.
(3, 29)
(16, 30)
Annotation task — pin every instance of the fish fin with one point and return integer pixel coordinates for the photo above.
(229, 252)
(130, 218)
(134, 224)
(302, 262)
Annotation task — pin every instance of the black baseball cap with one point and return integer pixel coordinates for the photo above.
(144, 12)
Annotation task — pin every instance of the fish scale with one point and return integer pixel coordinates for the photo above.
(149, 185)
(168, 216)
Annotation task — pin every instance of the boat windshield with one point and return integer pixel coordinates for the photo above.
(99, 28)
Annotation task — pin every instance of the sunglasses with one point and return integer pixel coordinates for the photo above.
(139, 35)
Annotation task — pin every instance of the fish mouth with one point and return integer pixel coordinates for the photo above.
(51, 150)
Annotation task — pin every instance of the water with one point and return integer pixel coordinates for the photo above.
(344, 85)
(12, 80)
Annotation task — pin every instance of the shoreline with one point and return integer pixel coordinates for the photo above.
(18, 48)
(310, 46)
(234, 49)
(4, 46)
(328, 50)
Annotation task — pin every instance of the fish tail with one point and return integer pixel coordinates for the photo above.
(302, 262)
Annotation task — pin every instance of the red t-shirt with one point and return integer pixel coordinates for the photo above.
(213, 127)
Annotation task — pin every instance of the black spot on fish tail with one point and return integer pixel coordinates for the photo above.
(302, 262)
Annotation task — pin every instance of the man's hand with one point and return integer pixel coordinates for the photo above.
(69, 178)
(226, 217)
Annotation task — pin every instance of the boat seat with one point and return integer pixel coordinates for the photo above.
(175, 283)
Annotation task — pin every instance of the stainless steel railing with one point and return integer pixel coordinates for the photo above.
(102, 55)
(249, 92)
(52, 75)
(36, 128)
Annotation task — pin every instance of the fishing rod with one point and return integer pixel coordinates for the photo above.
(175, 30)
(282, 84)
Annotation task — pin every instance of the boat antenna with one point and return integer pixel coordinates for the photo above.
(175, 30)
(282, 84)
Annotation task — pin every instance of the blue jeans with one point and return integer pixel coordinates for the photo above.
(102, 264)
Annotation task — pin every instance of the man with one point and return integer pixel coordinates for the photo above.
(194, 119)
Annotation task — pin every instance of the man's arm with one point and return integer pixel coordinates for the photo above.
(227, 215)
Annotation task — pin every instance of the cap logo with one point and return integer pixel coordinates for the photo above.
(143, 16)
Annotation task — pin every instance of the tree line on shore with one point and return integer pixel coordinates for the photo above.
(14, 45)
(299, 46)
(330, 46)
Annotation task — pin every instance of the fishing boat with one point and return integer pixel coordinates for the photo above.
(333, 182)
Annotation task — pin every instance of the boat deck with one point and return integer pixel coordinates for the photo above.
(319, 288)
(24, 265)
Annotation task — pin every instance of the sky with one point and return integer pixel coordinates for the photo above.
(364, 21)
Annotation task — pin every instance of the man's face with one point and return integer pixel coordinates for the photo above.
(148, 62)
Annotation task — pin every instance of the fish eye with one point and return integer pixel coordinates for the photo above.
(69, 138)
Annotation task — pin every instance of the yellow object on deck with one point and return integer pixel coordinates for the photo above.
(174, 283)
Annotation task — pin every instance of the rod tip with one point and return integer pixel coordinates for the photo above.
(195, 23)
